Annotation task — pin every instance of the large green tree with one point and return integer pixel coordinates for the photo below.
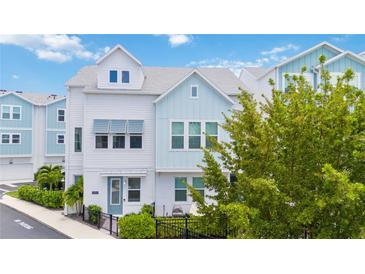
(299, 163)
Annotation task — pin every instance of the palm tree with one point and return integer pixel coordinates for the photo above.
(49, 175)
(73, 196)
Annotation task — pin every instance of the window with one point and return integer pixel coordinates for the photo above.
(16, 112)
(11, 112)
(115, 192)
(211, 129)
(135, 141)
(5, 138)
(78, 139)
(356, 81)
(60, 139)
(60, 115)
(134, 189)
(125, 76)
(307, 76)
(113, 76)
(180, 189)
(199, 185)
(194, 135)
(177, 135)
(118, 141)
(76, 178)
(15, 138)
(194, 92)
(101, 141)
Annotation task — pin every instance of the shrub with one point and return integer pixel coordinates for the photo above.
(94, 213)
(147, 209)
(136, 226)
(50, 199)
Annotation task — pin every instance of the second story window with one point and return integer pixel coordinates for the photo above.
(135, 141)
(10, 138)
(101, 141)
(78, 139)
(15, 138)
(5, 138)
(177, 135)
(11, 112)
(113, 76)
(125, 76)
(119, 141)
(60, 115)
(194, 135)
(211, 129)
(60, 139)
(194, 92)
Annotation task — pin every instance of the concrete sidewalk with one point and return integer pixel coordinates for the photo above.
(55, 219)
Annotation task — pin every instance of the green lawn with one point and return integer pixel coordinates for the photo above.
(13, 194)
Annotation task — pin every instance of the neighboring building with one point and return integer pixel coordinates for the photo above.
(135, 132)
(32, 133)
(338, 61)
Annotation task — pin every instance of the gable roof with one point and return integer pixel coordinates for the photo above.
(222, 93)
(160, 79)
(362, 54)
(255, 72)
(118, 47)
(38, 99)
(346, 53)
(325, 43)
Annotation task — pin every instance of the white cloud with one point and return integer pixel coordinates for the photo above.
(277, 50)
(15, 76)
(341, 38)
(176, 40)
(58, 48)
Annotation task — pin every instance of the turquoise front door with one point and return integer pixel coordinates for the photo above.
(115, 195)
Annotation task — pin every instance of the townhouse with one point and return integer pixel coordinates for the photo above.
(32, 133)
(135, 132)
(337, 62)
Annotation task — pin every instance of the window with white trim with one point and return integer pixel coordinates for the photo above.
(60, 139)
(177, 135)
(113, 76)
(194, 92)
(199, 185)
(356, 81)
(180, 189)
(119, 141)
(11, 138)
(61, 115)
(115, 192)
(134, 189)
(5, 138)
(307, 76)
(101, 141)
(194, 135)
(15, 138)
(10, 112)
(135, 141)
(78, 139)
(211, 131)
(125, 76)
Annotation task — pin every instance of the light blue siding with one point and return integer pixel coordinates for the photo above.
(344, 63)
(52, 146)
(52, 122)
(26, 112)
(25, 146)
(309, 60)
(179, 106)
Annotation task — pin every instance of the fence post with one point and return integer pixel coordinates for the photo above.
(186, 228)
(156, 228)
(83, 212)
(110, 224)
(116, 230)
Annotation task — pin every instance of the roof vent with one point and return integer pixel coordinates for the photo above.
(18, 91)
(52, 96)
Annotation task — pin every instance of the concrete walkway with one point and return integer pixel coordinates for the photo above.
(55, 219)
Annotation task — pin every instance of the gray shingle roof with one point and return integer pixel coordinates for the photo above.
(256, 71)
(35, 98)
(160, 79)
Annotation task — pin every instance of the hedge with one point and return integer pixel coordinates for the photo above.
(46, 198)
(136, 226)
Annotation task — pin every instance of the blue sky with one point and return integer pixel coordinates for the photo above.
(42, 63)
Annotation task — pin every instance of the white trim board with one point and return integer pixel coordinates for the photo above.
(120, 47)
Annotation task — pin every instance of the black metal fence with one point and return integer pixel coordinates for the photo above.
(101, 220)
(192, 228)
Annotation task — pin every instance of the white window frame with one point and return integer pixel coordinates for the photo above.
(10, 138)
(186, 134)
(64, 115)
(11, 111)
(57, 139)
(140, 189)
(100, 134)
(111, 191)
(112, 140)
(198, 188)
(291, 74)
(205, 132)
(334, 76)
(185, 189)
(197, 92)
(121, 76)
(171, 135)
(113, 83)
(132, 135)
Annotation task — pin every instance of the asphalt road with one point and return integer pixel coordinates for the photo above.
(15, 225)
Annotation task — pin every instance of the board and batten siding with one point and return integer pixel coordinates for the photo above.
(24, 148)
(26, 120)
(52, 147)
(178, 105)
(120, 107)
(52, 122)
(344, 63)
(309, 60)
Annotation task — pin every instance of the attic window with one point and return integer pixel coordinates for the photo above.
(194, 92)
(113, 76)
(125, 76)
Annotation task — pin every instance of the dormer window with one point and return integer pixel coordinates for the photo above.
(113, 76)
(194, 92)
(125, 77)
